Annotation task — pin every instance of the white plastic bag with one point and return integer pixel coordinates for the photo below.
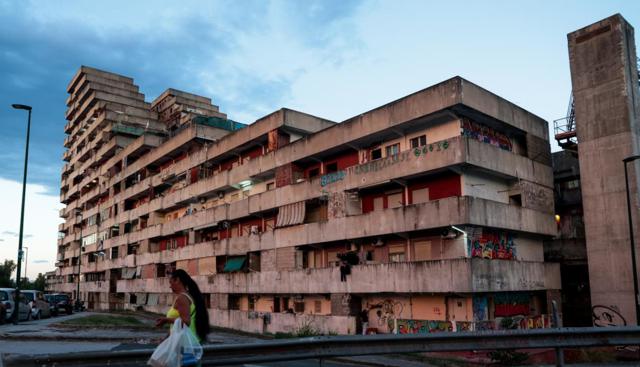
(191, 350)
(181, 348)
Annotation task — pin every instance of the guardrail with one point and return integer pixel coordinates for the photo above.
(321, 348)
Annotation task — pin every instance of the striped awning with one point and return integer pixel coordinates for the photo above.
(291, 214)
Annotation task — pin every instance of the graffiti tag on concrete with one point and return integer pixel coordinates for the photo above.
(607, 316)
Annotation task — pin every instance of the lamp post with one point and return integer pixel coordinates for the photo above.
(24, 188)
(636, 296)
(78, 305)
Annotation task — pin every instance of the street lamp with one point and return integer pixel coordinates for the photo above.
(636, 295)
(24, 187)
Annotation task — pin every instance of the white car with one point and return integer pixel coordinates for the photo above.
(39, 306)
(7, 296)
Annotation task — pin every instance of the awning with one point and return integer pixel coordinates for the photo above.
(234, 264)
(205, 226)
(291, 214)
(129, 273)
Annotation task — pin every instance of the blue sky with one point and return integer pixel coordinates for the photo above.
(333, 59)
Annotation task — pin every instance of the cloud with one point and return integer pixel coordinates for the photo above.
(16, 234)
(244, 57)
(41, 261)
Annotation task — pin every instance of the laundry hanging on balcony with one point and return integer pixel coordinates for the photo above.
(291, 214)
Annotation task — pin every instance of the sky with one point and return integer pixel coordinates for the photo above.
(332, 58)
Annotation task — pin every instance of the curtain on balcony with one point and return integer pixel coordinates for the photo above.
(291, 214)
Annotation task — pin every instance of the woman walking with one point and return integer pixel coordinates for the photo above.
(189, 305)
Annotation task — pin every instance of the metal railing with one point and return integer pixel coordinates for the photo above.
(320, 348)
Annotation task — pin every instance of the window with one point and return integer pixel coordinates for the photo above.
(161, 270)
(234, 302)
(394, 200)
(376, 153)
(252, 303)
(91, 257)
(396, 253)
(397, 257)
(132, 249)
(314, 172)
(331, 167)
(418, 141)
(317, 306)
(392, 149)
(133, 299)
(298, 307)
(420, 196)
(114, 252)
(271, 186)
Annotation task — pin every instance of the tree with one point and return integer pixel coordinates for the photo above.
(5, 274)
(39, 283)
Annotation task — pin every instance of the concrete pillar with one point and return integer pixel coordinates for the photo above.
(605, 89)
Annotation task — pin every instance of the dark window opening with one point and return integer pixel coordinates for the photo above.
(331, 167)
(376, 154)
(234, 302)
(314, 172)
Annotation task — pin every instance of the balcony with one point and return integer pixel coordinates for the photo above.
(440, 276)
(252, 322)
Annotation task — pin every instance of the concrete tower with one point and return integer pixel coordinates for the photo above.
(605, 88)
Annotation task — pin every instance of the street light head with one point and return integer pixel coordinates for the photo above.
(632, 158)
(21, 107)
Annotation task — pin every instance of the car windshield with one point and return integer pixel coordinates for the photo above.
(4, 296)
(62, 297)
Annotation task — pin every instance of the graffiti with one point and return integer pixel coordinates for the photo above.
(423, 326)
(464, 326)
(485, 134)
(439, 146)
(387, 311)
(485, 325)
(607, 316)
(379, 164)
(536, 197)
(336, 206)
(492, 245)
(510, 304)
(382, 163)
(331, 178)
(480, 307)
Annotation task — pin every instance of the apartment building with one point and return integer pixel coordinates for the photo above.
(426, 214)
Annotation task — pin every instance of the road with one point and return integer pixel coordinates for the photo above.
(41, 337)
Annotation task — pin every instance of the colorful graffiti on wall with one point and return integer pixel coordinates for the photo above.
(387, 311)
(423, 326)
(511, 304)
(485, 134)
(480, 308)
(492, 245)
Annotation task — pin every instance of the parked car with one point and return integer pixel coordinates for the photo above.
(62, 303)
(39, 306)
(7, 297)
(53, 307)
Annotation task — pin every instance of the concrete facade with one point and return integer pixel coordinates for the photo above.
(425, 214)
(605, 90)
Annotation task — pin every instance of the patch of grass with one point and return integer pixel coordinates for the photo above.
(105, 321)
